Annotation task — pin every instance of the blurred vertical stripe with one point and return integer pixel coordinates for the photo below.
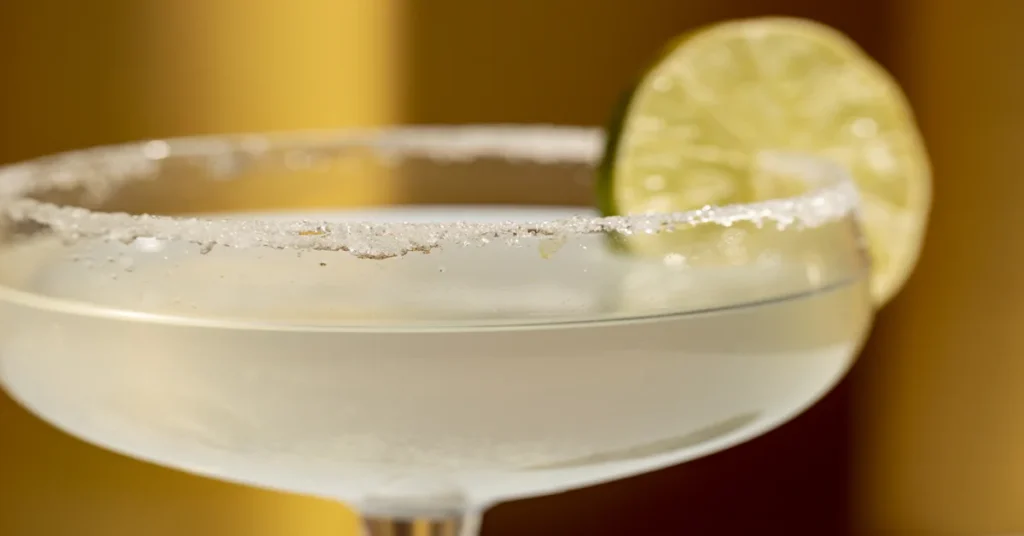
(939, 428)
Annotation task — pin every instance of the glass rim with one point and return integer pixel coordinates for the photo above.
(99, 170)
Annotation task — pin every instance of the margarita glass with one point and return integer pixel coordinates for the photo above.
(216, 306)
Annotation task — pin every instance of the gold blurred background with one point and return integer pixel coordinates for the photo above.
(925, 438)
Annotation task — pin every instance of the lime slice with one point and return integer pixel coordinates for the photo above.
(690, 132)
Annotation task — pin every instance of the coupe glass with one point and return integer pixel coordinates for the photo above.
(222, 306)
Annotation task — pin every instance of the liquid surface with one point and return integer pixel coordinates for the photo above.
(536, 281)
(533, 372)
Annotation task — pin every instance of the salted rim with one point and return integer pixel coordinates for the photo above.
(99, 171)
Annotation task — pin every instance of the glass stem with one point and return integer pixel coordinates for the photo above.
(463, 525)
